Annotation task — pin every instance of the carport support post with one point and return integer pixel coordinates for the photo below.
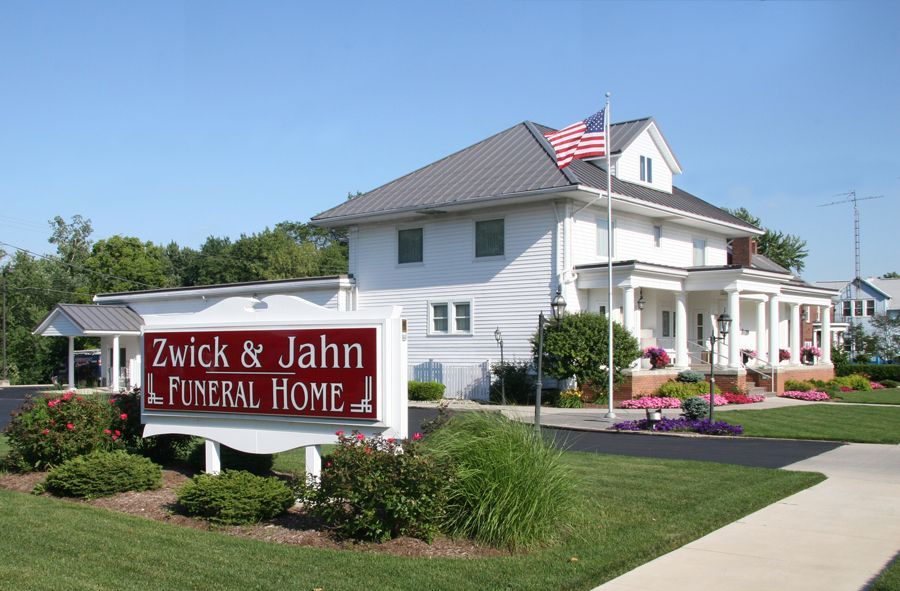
(71, 363)
(213, 457)
(313, 461)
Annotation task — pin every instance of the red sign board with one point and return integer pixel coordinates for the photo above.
(327, 372)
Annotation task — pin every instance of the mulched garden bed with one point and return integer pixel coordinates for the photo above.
(292, 527)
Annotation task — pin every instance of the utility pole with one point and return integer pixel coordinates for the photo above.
(5, 380)
(854, 283)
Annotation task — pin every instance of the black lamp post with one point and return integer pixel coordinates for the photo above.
(498, 336)
(724, 325)
(558, 307)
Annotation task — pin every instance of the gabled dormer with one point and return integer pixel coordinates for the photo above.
(641, 155)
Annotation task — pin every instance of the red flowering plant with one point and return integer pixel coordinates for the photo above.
(49, 431)
(373, 488)
(658, 357)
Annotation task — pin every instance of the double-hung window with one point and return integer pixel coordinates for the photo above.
(450, 317)
(646, 169)
(847, 308)
(603, 238)
(699, 252)
(410, 246)
(490, 238)
(870, 307)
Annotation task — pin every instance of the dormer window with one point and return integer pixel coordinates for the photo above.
(646, 169)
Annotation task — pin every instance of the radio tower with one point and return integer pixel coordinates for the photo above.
(854, 284)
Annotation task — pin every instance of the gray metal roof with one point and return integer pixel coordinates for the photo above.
(91, 317)
(515, 161)
(764, 263)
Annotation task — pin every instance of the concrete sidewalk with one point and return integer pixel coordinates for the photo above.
(836, 535)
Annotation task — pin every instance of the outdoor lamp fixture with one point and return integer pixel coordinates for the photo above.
(641, 301)
(558, 306)
(723, 322)
(498, 336)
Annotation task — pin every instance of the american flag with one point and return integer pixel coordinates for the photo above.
(585, 139)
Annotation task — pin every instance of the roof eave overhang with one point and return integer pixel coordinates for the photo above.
(223, 290)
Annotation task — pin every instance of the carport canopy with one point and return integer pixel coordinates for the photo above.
(91, 320)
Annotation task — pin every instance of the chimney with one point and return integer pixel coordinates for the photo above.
(742, 251)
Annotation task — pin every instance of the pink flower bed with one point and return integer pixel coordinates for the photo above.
(717, 401)
(811, 395)
(652, 402)
(742, 399)
(876, 386)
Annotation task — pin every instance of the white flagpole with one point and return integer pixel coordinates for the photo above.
(609, 254)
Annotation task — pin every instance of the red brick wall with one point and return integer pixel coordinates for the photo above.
(813, 372)
(742, 251)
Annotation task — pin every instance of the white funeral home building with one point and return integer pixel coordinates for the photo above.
(482, 239)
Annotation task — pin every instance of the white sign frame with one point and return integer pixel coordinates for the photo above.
(263, 434)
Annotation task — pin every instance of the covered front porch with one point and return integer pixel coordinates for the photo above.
(676, 310)
(119, 329)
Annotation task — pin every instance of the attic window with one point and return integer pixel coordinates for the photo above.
(646, 169)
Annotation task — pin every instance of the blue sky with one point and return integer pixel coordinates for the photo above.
(180, 120)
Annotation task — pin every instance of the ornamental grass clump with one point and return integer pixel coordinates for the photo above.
(510, 488)
(235, 497)
(103, 473)
(377, 489)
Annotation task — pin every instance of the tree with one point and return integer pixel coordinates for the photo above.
(788, 250)
(577, 345)
(124, 263)
(886, 332)
(863, 344)
(891, 275)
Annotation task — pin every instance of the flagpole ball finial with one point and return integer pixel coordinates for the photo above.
(608, 94)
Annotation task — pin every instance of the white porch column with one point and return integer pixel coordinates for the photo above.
(681, 331)
(734, 337)
(761, 330)
(774, 320)
(71, 363)
(795, 333)
(114, 383)
(628, 312)
(825, 312)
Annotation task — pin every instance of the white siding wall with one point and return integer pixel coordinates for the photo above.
(628, 166)
(505, 292)
(634, 241)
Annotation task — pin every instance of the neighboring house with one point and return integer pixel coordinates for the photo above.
(483, 238)
(861, 300)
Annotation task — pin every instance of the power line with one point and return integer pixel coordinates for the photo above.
(74, 266)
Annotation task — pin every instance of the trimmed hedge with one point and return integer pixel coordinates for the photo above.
(876, 372)
(684, 390)
(103, 473)
(519, 379)
(235, 497)
(425, 390)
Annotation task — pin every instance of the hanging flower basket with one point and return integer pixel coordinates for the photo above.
(657, 356)
(809, 354)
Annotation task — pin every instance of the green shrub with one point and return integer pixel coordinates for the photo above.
(232, 459)
(799, 385)
(695, 408)
(889, 383)
(519, 379)
(103, 473)
(49, 431)
(875, 371)
(235, 497)
(378, 489)
(511, 489)
(570, 399)
(425, 390)
(853, 381)
(682, 390)
(690, 376)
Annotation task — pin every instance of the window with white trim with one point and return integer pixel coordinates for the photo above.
(870, 307)
(657, 236)
(450, 317)
(699, 252)
(410, 246)
(646, 169)
(603, 238)
(847, 308)
(489, 238)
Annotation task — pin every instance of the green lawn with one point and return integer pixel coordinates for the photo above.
(890, 578)
(886, 396)
(629, 511)
(864, 424)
